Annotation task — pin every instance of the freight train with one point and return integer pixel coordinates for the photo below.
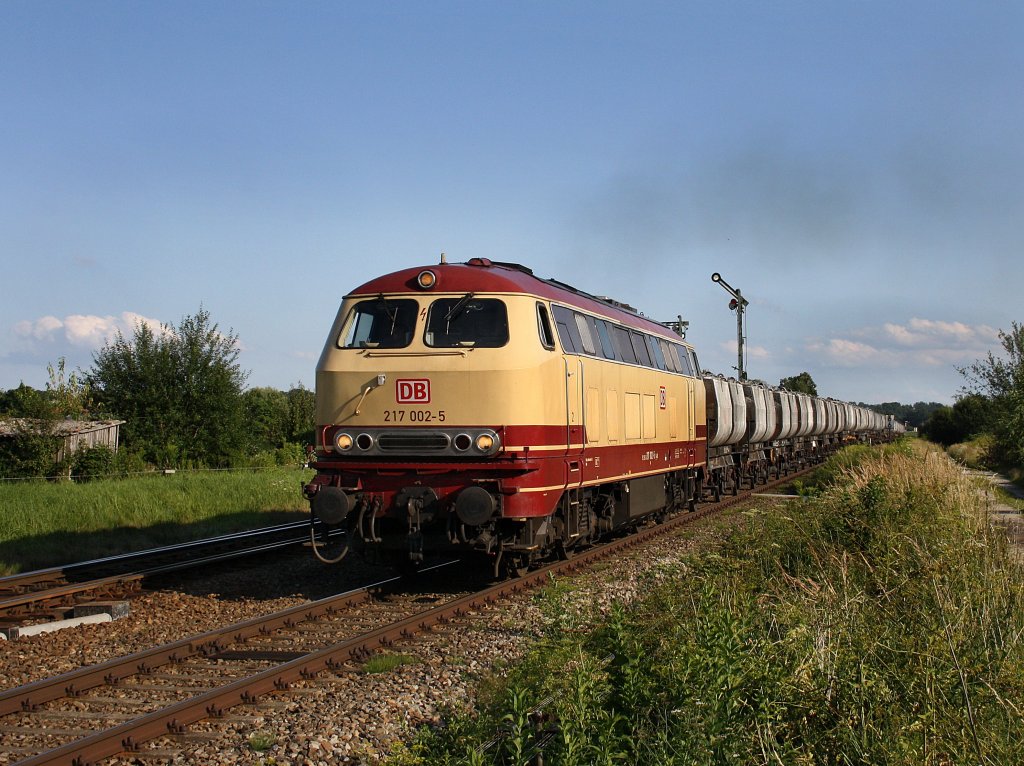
(479, 407)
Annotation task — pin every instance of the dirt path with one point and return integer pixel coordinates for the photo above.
(1002, 513)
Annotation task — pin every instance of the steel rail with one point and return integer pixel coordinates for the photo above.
(31, 696)
(14, 604)
(9, 582)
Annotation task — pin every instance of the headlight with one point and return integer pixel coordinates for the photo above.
(343, 441)
(426, 279)
(485, 442)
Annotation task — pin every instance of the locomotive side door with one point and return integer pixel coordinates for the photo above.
(575, 420)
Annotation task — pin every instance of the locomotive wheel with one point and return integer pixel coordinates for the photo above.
(516, 566)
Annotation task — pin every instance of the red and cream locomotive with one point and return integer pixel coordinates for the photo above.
(476, 405)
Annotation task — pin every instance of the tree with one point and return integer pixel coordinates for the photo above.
(1001, 381)
(942, 427)
(972, 414)
(30, 449)
(23, 402)
(266, 412)
(179, 390)
(800, 384)
(68, 393)
(301, 415)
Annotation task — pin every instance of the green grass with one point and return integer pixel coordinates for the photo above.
(878, 623)
(46, 523)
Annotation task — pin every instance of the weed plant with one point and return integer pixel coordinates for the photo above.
(50, 523)
(877, 623)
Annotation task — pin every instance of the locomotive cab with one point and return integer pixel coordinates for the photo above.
(428, 392)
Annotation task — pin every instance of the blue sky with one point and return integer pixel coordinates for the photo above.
(855, 168)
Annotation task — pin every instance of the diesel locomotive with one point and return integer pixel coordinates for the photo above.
(479, 407)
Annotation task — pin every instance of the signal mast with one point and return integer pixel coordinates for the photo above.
(739, 305)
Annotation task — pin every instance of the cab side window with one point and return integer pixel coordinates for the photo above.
(547, 334)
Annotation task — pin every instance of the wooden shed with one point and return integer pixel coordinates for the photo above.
(74, 434)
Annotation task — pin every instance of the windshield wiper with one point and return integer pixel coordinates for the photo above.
(457, 309)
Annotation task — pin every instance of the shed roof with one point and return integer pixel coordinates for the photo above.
(16, 426)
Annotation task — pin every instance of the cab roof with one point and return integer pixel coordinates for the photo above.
(480, 275)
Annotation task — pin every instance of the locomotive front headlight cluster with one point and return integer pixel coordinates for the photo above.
(394, 442)
(344, 441)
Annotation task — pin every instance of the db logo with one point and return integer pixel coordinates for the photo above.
(662, 396)
(413, 391)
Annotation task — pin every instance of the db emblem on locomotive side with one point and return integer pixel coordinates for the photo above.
(413, 391)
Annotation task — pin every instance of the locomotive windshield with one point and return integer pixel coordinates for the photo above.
(380, 323)
(467, 321)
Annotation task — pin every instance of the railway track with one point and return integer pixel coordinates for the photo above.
(129, 701)
(52, 594)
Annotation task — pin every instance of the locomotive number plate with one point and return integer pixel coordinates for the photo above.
(413, 416)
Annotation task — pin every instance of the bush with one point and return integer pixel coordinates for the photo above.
(92, 463)
(29, 455)
(129, 463)
(290, 454)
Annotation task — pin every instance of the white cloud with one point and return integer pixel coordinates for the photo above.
(929, 333)
(850, 353)
(84, 330)
(752, 352)
(41, 329)
(918, 343)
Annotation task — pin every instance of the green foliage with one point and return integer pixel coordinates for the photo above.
(969, 416)
(1001, 382)
(31, 452)
(301, 415)
(24, 402)
(942, 427)
(279, 419)
(179, 390)
(92, 463)
(266, 416)
(878, 623)
(261, 741)
(800, 384)
(68, 394)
